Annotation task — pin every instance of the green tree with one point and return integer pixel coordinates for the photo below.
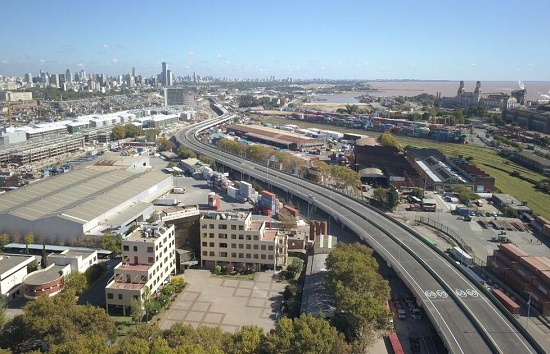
(136, 310)
(3, 306)
(118, 132)
(165, 144)
(417, 192)
(76, 282)
(186, 153)
(305, 335)
(294, 268)
(32, 266)
(360, 292)
(247, 340)
(111, 242)
(44, 259)
(28, 238)
(465, 194)
(132, 130)
(387, 139)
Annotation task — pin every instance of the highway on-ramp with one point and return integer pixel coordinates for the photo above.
(466, 319)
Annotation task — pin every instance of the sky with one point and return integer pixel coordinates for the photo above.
(484, 40)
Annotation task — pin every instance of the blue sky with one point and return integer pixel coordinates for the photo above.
(363, 39)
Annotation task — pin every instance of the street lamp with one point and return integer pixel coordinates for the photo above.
(528, 309)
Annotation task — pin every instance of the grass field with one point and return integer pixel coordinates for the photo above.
(516, 187)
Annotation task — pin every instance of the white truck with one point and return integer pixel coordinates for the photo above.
(461, 256)
(166, 201)
(178, 190)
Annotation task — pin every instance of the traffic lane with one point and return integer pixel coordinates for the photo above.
(95, 294)
(452, 328)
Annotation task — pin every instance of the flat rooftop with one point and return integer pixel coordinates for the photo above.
(125, 286)
(44, 276)
(141, 267)
(10, 262)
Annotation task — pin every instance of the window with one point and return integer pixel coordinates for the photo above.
(270, 248)
(222, 227)
(255, 256)
(212, 254)
(150, 249)
(222, 236)
(203, 235)
(223, 245)
(262, 247)
(211, 244)
(262, 256)
(241, 255)
(223, 254)
(150, 259)
(248, 255)
(241, 227)
(135, 248)
(248, 247)
(233, 236)
(241, 246)
(233, 245)
(256, 237)
(110, 296)
(211, 235)
(120, 296)
(248, 238)
(204, 226)
(233, 227)
(270, 256)
(125, 248)
(233, 254)
(255, 247)
(211, 226)
(204, 253)
(204, 244)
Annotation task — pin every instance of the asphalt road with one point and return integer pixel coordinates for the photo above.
(440, 291)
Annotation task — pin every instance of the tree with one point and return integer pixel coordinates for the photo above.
(417, 192)
(32, 266)
(111, 242)
(118, 132)
(387, 139)
(294, 268)
(186, 153)
(28, 238)
(4, 240)
(465, 194)
(44, 259)
(165, 144)
(132, 130)
(136, 310)
(247, 340)
(360, 292)
(3, 307)
(306, 335)
(76, 282)
(288, 221)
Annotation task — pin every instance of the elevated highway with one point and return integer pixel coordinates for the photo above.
(463, 313)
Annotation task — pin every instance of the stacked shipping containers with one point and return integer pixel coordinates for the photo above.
(267, 203)
(527, 275)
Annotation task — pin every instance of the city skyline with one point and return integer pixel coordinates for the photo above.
(430, 40)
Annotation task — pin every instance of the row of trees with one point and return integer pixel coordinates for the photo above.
(360, 294)
(266, 102)
(60, 325)
(132, 131)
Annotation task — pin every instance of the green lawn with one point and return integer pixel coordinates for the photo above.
(520, 189)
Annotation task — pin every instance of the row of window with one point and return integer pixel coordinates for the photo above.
(233, 236)
(222, 227)
(234, 255)
(240, 246)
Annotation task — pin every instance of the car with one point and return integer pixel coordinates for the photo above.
(416, 313)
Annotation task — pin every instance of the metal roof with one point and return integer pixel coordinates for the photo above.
(79, 196)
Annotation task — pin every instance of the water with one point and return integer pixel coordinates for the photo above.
(535, 89)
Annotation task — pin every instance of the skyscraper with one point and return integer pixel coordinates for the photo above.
(68, 76)
(134, 72)
(164, 75)
(169, 78)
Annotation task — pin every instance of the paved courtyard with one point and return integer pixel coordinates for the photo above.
(225, 302)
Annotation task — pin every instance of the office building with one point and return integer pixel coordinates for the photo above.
(176, 96)
(148, 260)
(164, 74)
(68, 76)
(12, 271)
(234, 238)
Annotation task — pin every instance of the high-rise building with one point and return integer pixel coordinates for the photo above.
(164, 74)
(83, 75)
(68, 76)
(169, 78)
(134, 72)
(28, 78)
(54, 80)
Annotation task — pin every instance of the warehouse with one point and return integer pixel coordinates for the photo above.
(81, 202)
(275, 137)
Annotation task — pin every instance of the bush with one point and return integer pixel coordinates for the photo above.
(217, 269)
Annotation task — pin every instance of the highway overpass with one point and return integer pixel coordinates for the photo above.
(464, 314)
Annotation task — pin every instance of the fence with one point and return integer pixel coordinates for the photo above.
(452, 235)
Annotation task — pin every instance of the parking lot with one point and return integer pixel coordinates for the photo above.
(226, 302)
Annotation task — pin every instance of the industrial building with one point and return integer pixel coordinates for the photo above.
(177, 96)
(234, 238)
(275, 137)
(467, 99)
(148, 260)
(13, 268)
(535, 119)
(84, 201)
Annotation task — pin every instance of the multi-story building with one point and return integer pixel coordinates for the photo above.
(148, 260)
(234, 238)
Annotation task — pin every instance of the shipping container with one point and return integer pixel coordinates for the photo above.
(541, 220)
(525, 273)
(539, 301)
(293, 211)
(497, 267)
(545, 277)
(166, 201)
(534, 265)
(504, 299)
(514, 281)
(513, 251)
(541, 286)
(546, 230)
(503, 258)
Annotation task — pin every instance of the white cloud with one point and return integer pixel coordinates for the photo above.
(106, 46)
(474, 64)
(80, 65)
(5, 61)
(114, 61)
(42, 61)
(530, 64)
(191, 52)
(219, 56)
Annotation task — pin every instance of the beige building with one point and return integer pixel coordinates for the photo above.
(148, 259)
(234, 238)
